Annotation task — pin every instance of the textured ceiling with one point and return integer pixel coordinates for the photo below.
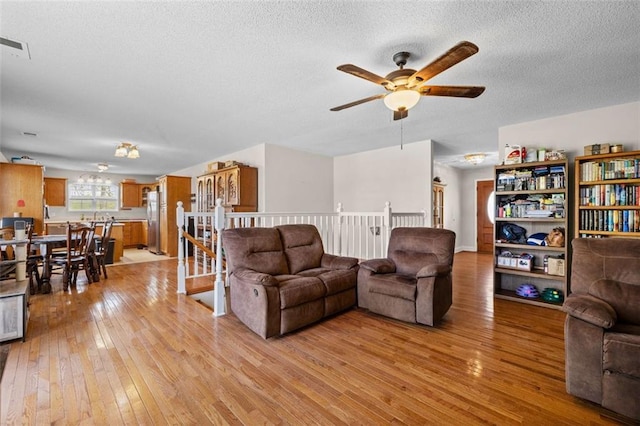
(192, 81)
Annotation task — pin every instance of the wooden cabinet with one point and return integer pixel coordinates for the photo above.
(132, 234)
(129, 195)
(532, 196)
(607, 195)
(55, 191)
(438, 206)
(143, 191)
(22, 190)
(236, 186)
(172, 189)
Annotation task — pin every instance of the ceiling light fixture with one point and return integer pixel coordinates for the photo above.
(103, 167)
(402, 99)
(475, 158)
(125, 149)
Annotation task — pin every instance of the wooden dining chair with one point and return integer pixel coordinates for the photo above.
(34, 260)
(80, 243)
(103, 249)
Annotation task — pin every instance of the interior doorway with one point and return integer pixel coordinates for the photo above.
(484, 226)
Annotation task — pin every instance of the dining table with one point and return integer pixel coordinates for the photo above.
(47, 244)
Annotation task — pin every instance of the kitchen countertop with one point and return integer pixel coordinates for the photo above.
(117, 222)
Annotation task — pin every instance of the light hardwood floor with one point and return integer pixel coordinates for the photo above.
(129, 350)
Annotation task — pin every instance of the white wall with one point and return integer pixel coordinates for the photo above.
(453, 208)
(297, 181)
(571, 132)
(366, 180)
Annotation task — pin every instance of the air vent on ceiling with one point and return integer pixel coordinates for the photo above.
(15, 48)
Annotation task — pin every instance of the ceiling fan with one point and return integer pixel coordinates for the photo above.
(405, 86)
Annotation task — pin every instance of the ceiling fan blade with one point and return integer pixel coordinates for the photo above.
(457, 53)
(367, 75)
(361, 101)
(454, 91)
(399, 115)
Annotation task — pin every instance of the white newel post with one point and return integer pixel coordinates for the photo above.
(386, 225)
(182, 285)
(339, 239)
(218, 294)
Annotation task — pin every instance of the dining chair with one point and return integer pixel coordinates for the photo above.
(34, 260)
(7, 258)
(103, 249)
(80, 243)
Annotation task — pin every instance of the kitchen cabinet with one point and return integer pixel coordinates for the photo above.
(129, 195)
(143, 190)
(172, 189)
(22, 190)
(132, 234)
(55, 191)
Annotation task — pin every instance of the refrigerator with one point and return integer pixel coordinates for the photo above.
(153, 222)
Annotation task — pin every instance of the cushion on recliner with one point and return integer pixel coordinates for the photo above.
(300, 290)
(302, 246)
(411, 249)
(259, 249)
(621, 354)
(623, 297)
(393, 285)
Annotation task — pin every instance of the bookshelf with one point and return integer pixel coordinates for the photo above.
(607, 195)
(532, 196)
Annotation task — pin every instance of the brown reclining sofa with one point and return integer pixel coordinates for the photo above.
(281, 279)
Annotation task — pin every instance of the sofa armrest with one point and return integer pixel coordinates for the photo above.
(254, 277)
(590, 309)
(338, 262)
(379, 266)
(433, 270)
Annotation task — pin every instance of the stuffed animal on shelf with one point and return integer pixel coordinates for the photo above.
(555, 238)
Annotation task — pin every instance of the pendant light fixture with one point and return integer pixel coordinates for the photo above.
(128, 150)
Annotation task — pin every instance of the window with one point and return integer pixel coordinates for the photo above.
(93, 196)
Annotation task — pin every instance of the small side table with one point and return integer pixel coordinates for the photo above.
(14, 306)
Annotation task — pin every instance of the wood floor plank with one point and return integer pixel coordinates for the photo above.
(130, 350)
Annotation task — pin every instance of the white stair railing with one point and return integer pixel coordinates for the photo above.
(363, 235)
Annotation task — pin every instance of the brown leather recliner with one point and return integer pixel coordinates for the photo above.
(413, 283)
(602, 328)
(281, 279)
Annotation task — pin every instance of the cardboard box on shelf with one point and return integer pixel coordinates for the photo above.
(596, 149)
(556, 266)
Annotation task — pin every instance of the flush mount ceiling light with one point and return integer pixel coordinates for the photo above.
(125, 149)
(103, 167)
(475, 158)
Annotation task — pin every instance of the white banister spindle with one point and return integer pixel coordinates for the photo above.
(182, 285)
(219, 290)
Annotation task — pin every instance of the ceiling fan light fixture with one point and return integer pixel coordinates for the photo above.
(475, 158)
(402, 99)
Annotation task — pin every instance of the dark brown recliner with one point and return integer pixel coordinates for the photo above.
(281, 279)
(413, 283)
(602, 328)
